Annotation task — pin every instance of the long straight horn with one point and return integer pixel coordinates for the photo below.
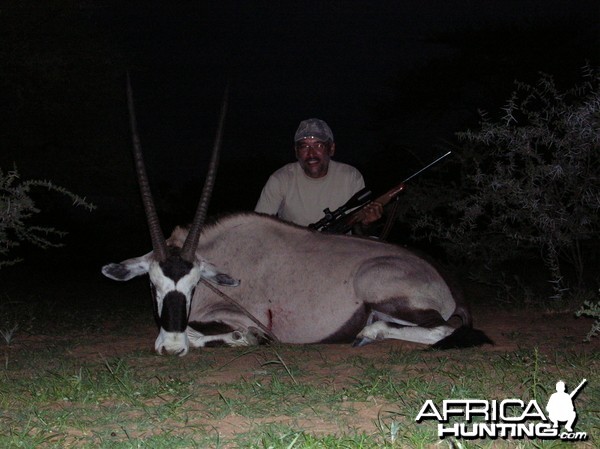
(191, 242)
(158, 240)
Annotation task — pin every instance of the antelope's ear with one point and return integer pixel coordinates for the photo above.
(209, 272)
(128, 269)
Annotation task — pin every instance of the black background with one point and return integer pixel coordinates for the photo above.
(394, 79)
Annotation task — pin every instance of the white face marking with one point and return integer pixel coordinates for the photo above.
(164, 285)
(175, 343)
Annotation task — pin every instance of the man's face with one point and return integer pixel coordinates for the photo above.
(314, 156)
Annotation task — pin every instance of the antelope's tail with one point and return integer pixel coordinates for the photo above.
(463, 337)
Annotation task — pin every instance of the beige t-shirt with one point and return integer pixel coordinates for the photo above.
(295, 197)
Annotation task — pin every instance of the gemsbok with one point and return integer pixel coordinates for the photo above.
(288, 284)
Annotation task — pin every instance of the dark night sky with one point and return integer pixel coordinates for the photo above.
(341, 61)
(394, 79)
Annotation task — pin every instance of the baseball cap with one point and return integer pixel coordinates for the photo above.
(313, 127)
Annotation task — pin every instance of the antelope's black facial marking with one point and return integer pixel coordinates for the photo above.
(175, 267)
(154, 303)
(173, 317)
(211, 327)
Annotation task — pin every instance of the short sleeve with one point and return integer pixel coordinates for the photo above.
(270, 198)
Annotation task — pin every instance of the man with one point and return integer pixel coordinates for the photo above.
(560, 406)
(300, 191)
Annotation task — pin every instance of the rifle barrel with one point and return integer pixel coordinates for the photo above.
(426, 167)
(574, 392)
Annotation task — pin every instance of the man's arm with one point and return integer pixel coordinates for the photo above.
(372, 211)
(270, 198)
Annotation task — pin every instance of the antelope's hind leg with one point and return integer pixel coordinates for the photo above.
(381, 326)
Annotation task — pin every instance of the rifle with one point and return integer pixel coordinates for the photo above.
(341, 220)
(576, 390)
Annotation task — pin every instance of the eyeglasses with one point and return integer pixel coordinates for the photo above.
(318, 146)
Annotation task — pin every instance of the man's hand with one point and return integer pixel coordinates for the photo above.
(371, 212)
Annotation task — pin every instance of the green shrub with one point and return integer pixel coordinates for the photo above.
(17, 209)
(530, 183)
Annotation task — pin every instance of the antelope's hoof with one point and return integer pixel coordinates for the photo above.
(362, 341)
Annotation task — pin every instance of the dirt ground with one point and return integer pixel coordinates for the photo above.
(510, 330)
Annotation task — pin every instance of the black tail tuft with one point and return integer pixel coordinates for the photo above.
(463, 337)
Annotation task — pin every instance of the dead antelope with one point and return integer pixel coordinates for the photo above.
(288, 283)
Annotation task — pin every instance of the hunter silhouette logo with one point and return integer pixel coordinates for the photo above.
(560, 405)
(508, 418)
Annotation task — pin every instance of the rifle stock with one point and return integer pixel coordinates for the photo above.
(359, 215)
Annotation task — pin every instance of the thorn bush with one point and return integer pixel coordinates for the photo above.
(529, 183)
(17, 209)
(591, 309)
